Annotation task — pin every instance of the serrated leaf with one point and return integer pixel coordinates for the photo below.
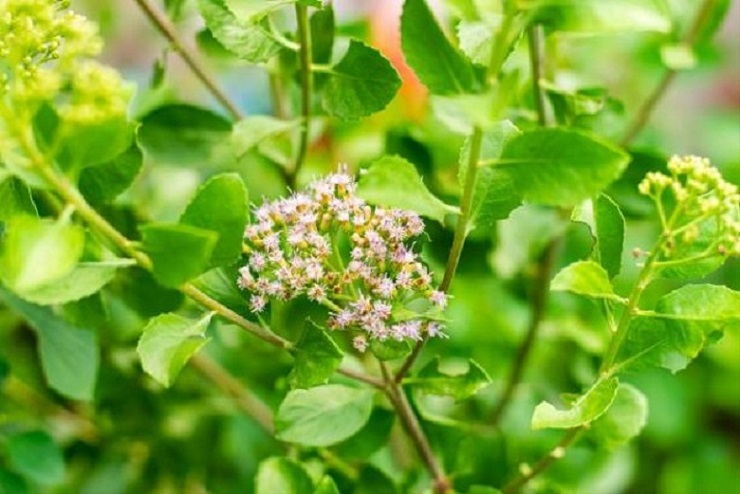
(323, 415)
(609, 224)
(36, 252)
(186, 136)
(316, 358)
(220, 205)
(362, 83)
(37, 457)
(683, 323)
(249, 132)
(561, 167)
(476, 40)
(85, 279)
(439, 66)
(167, 343)
(282, 475)
(393, 181)
(247, 36)
(178, 252)
(494, 195)
(624, 420)
(69, 355)
(585, 409)
(585, 278)
(432, 380)
(104, 182)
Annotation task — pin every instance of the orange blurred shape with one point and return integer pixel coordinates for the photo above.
(385, 35)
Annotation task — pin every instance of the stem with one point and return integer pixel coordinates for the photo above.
(306, 76)
(536, 36)
(498, 56)
(401, 404)
(165, 27)
(551, 457)
(243, 397)
(541, 290)
(643, 114)
(359, 376)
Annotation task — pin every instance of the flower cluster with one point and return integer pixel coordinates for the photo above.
(701, 201)
(331, 246)
(46, 52)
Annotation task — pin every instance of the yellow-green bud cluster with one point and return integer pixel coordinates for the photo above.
(693, 196)
(45, 53)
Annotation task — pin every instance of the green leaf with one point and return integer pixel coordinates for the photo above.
(323, 415)
(561, 167)
(494, 196)
(84, 280)
(322, 34)
(373, 436)
(178, 252)
(316, 358)
(249, 132)
(88, 145)
(624, 420)
(36, 252)
(220, 284)
(282, 475)
(390, 349)
(37, 457)
(684, 321)
(221, 206)
(476, 40)
(392, 181)
(585, 278)
(362, 83)
(186, 136)
(168, 342)
(104, 182)
(439, 66)
(595, 17)
(326, 486)
(69, 355)
(15, 197)
(585, 409)
(247, 37)
(609, 223)
(459, 385)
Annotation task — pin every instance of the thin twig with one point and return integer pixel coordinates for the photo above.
(544, 463)
(401, 404)
(306, 77)
(165, 27)
(359, 376)
(498, 56)
(249, 402)
(643, 114)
